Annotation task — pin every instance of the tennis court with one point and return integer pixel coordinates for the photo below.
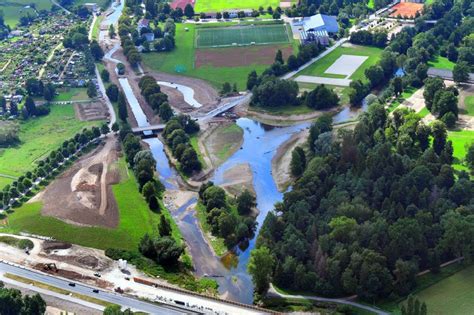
(241, 36)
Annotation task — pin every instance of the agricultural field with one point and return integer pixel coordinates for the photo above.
(241, 35)
(215, 65)
(223, 5)
(38, 137)
(135, 220)
(440, 62)
(14, 10)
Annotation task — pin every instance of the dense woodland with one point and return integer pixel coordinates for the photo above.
(13, 303)
(374, 206)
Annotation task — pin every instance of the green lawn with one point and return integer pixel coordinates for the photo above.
(441, 63)
(181, 61)
(38, 137)
(13, 10)
(453, 295)
(222, 5)
(424, 112)
(135, 220)
(318, 68)
(461, 140)
(402, 97)
(241, 35)
(371, 4)
(285, 110)
(71, 94)
(96, 27)
(469, 105)
(5, 181)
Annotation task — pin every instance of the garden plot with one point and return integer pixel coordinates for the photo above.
(346, 65)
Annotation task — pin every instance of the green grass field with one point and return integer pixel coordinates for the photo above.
(424, 112)
(5, 181)
(318, 68)
(441, 63)
(39, 136)
(453, 295)
(371, 4)
(71, 94)
(135, 220)
(241, 35)
(222, 5)
(13, 10)
(183, 57)
(461, 140)
(469, 105)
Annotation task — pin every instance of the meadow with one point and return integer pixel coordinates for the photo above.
(14, 10)
(440, 62)
(318, 68)
(136, 219)
(38, 137)
(468, 105)
(461, 140)
(222, 5)
(182, 61)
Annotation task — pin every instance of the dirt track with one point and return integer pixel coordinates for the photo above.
(83, 194)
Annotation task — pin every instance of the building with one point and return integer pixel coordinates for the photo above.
(92, 7)
(149, 37)
(317, 28)
(143, 23)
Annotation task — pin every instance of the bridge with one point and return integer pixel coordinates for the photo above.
(152, 129)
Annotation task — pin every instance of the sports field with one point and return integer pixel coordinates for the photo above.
(222, 5)
(241, 35)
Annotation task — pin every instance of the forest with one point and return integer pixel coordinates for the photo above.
(374, 206)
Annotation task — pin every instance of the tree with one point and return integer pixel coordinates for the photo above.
(96, 51)
(357, 91)
(375, 75)
(49, 92)
(165, 111)
(91, 89)
(214, 197)
(104, 74)
(298, 162)
(414, 307)
(321, 98)
(164, 227)
(148, 190)
(112, 92)
(397, 85)
(461, 72)
(122, 107)
(470, 157)
(279, 57)
(260, 266)
(3, 104)
(112, 33)
(252, 80)
(189, 11)
(30, 106)
(432, 85)
(445, 101)
(438, 130)
(226, 88)
(167, 251)
(245, 202)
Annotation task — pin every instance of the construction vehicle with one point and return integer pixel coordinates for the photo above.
(50, 267)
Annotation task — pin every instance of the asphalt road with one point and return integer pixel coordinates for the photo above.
(124, 301)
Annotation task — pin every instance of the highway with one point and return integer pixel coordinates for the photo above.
(124, 301)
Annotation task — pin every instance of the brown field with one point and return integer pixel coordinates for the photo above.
(91, 111)
(406, 9)
(181, 3)
(240, 56)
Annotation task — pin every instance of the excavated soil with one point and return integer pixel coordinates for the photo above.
(76, 195)
(91, 111)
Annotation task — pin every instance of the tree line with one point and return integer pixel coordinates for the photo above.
(157, 100)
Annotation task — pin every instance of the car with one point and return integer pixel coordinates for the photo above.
(71, 284)
(95, 291)
(98, 275)
(127, 278)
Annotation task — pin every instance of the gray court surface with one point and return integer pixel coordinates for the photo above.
(321, 80)
(346, 65)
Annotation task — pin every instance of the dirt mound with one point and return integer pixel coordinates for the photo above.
(54, 245)
(89, 261)
(72, 275)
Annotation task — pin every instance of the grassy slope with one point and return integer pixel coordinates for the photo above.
(38, 137)
(318, 68)
(454, 294)
(441, 63)
(221, 5)
(184, 55)
(12, 13)
(135, 220)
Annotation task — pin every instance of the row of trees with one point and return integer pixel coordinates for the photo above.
(374, 206)
(155, 98)
(176, 134)
(364, 37)
(224, 222)
(442, 101)
(48, 167)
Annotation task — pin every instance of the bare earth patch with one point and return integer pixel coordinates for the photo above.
(221, 140)
(237, 179)
(91, 111)
(83, 194)
(240, 56)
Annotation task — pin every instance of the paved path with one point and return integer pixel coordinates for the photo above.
(309, 63)
(102, 90)
(378, 311)
(322, 80)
